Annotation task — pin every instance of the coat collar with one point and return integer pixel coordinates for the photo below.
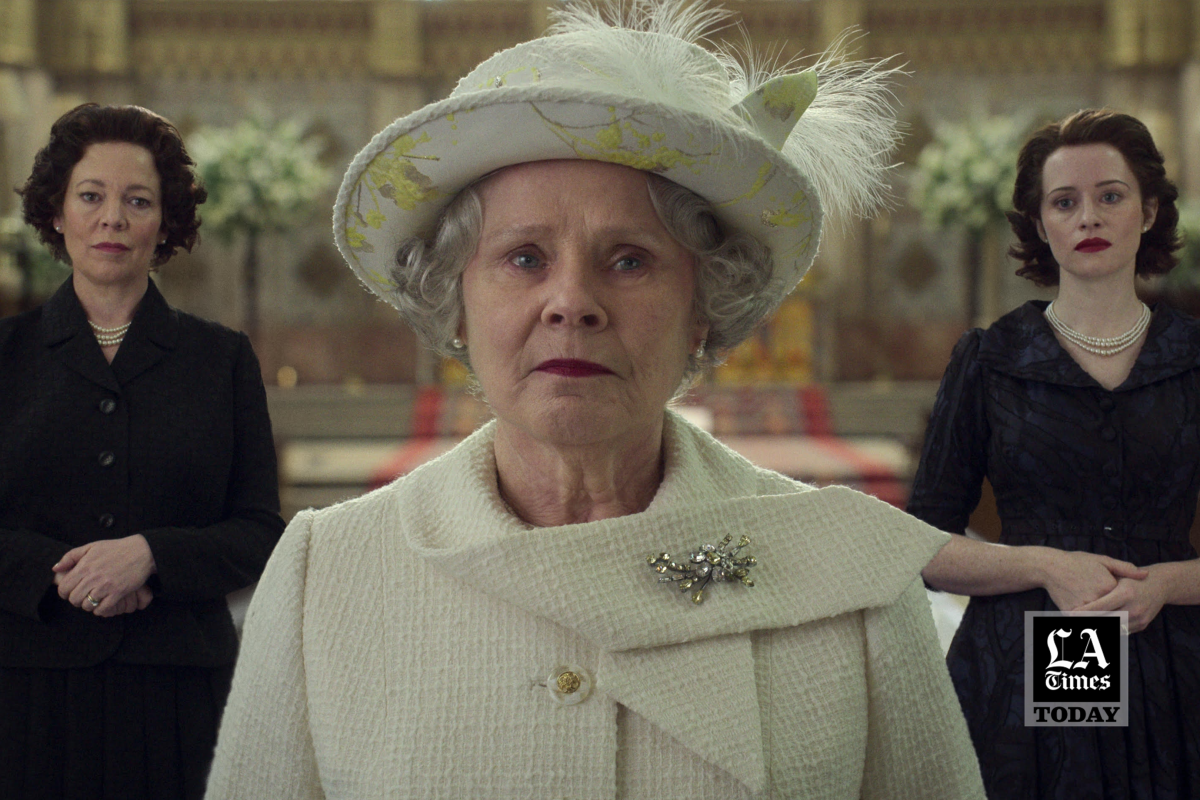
(1022, 344)
(820, 553)
(64, 329)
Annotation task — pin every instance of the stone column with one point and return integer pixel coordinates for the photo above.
(1189, 112)
(18, 52)
(18, 35)
(395, 46)
(85, 36)
(1146, 43)
(838, 15)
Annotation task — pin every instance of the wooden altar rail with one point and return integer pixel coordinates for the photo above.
(897, 410)
(336, 443)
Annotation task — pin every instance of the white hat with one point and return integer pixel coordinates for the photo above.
(767, 149)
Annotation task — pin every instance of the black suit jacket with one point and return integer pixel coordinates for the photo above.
(172, 441)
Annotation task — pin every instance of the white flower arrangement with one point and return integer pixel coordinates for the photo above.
(261, 177)
(965, 176)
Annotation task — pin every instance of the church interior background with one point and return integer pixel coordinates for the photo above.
(835, 388)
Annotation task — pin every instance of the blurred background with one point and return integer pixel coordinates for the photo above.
(276, 97)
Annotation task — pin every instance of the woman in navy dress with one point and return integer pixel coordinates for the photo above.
(1084, 414)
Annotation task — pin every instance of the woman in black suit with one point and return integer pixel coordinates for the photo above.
(137, 481)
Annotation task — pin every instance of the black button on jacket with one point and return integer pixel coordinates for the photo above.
(172, 441)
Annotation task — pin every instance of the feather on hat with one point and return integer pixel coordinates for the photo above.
(630, 83)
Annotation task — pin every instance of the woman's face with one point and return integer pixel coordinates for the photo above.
(1092, 211)
(111, 217)
(578, 303)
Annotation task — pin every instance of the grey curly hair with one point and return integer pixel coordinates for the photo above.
(734, 290)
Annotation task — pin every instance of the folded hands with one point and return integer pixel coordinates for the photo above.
(107, 577)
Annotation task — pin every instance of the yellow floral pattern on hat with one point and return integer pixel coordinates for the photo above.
(391, 175)
(765, 171)
(775, 107)
(790, 95)
(622, 142)
(795, 214)
(398, 180)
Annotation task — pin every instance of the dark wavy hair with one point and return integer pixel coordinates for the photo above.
(91, 123)
(1130, 137)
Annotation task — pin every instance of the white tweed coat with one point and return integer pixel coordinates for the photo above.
(399, 644)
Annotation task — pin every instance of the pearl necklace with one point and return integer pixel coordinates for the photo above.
(1099, 345)
(110, 337)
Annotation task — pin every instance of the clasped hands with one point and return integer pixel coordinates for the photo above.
(107, 577)
(1085, 583)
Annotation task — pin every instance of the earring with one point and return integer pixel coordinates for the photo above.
(458, 344)
(700, 349)
(1145, 228)
(58, 228)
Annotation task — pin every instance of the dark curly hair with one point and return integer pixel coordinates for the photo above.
(91, 123)
(1130, 137)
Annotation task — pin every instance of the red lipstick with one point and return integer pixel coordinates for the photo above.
(1093, 245)
(573, 368)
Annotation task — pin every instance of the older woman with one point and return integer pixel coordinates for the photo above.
(137, 481)
(586, 221)
(1084, 414)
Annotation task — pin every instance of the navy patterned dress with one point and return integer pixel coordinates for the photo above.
(1077, 467)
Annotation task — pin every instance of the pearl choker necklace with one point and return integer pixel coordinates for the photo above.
(1099, 345)
(109, 337)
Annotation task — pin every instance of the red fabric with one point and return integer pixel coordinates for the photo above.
(427, 412)
(815, 403)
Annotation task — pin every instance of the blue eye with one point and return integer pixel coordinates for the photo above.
(628, 264)
(1063, 203)
(1110, 197)
(140, 202)
(527, 261)
(89, 197)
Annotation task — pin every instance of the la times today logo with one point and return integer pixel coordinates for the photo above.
(1076, 669)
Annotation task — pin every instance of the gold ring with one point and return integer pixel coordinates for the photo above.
(95, 603)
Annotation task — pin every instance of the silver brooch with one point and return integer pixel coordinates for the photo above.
(718, 563)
